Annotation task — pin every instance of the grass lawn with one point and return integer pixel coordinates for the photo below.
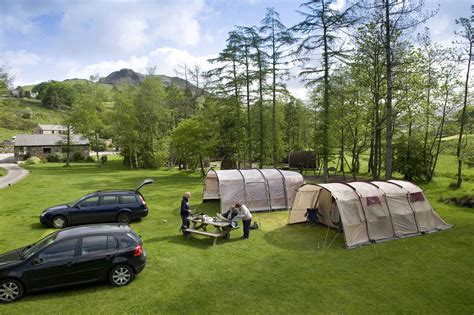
(278, 270)
(3, 172)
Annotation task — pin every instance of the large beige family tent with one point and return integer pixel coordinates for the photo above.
(260, 189)
(368, 212)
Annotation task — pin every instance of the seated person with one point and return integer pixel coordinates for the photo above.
(229, 216)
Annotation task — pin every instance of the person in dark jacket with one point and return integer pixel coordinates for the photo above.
(185, 211)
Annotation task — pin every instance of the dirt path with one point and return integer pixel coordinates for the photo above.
(14, 175)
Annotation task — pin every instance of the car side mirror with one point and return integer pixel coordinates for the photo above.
(37, 261)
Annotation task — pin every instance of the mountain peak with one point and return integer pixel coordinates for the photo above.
(123, 76)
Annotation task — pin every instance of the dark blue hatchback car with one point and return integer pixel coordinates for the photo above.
(121, 206)
(76, 255)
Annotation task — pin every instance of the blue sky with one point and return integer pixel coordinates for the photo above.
(58, 39)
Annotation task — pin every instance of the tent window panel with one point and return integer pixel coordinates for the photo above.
(351, 212)
(418, 196)
(376, 211)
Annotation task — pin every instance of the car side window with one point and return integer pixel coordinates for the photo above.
(111, 243)
(108, 200)
(125, 241)
(125, 199)
(94, 244)
(90, 202)
(59, 251)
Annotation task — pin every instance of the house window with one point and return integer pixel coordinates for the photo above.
(24, 151)
(46, 150)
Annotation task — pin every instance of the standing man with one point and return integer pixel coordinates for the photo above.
(246, 216)
(185, 211)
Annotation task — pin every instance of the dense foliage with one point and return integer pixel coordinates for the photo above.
(374, 89)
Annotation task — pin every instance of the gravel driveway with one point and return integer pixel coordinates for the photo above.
(15, 174)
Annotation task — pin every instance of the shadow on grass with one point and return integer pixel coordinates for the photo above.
(69, 291)
(302, 237)
(38, 226)
(197, 241)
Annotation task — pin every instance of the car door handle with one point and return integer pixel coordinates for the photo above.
(69, 264)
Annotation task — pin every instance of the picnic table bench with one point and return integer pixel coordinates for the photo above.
(222, 228)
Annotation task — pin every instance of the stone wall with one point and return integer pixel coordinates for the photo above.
(22, 154)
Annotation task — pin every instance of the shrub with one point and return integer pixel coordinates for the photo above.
(33, 160)
(409, 161)
(470, 161)
(77, 156)
(56, 157)
(26, 113)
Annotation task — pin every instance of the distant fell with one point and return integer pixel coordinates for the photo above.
(132, 77)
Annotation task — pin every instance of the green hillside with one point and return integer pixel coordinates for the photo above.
(22, 115)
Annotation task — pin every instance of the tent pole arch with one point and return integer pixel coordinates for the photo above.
(388, 208)
(245, 184)
(267, 188)
(411, 206)
(363, 211)
(284, 187)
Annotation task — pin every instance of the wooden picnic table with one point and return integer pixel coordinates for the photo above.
(222, 228)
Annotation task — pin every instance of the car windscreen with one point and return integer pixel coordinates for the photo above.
(36, 247)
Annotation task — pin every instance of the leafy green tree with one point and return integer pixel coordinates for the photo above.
(320, 29)
(278, 40)
(259, 58)
(193, 140)
(58, 95)
(124, 114)
(89, 115)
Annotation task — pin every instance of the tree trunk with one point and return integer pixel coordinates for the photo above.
(326, 104)
(203, 173)
(440, 132)
(463, 118)
(68, 146)
(249, 128)
(97, 145)
(260, 108)
(274, 146)
(389, 78)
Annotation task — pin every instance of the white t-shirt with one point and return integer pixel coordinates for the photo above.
(244, 213)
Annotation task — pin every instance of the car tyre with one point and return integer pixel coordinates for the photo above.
(124, 217)
(10, 291)
(58, 222)
(121, 275)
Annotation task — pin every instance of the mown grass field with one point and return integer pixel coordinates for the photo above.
(278, 270)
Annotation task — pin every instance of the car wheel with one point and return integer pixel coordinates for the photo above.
(121, 275)
(10, 290)
(59, 222)
(124, 217)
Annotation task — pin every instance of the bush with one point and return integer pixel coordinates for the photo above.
(409, 161)
(26, 113)
(77, 156)
(470, 161)
(56, 157)
(33, 160)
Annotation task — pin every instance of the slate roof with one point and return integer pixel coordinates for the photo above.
(47, 140)
(52, 127)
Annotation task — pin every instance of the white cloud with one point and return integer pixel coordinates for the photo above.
(165, 59)
(18, 61)
(129, 27)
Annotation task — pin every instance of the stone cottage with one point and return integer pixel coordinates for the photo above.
(50, 129)
(43, 145)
